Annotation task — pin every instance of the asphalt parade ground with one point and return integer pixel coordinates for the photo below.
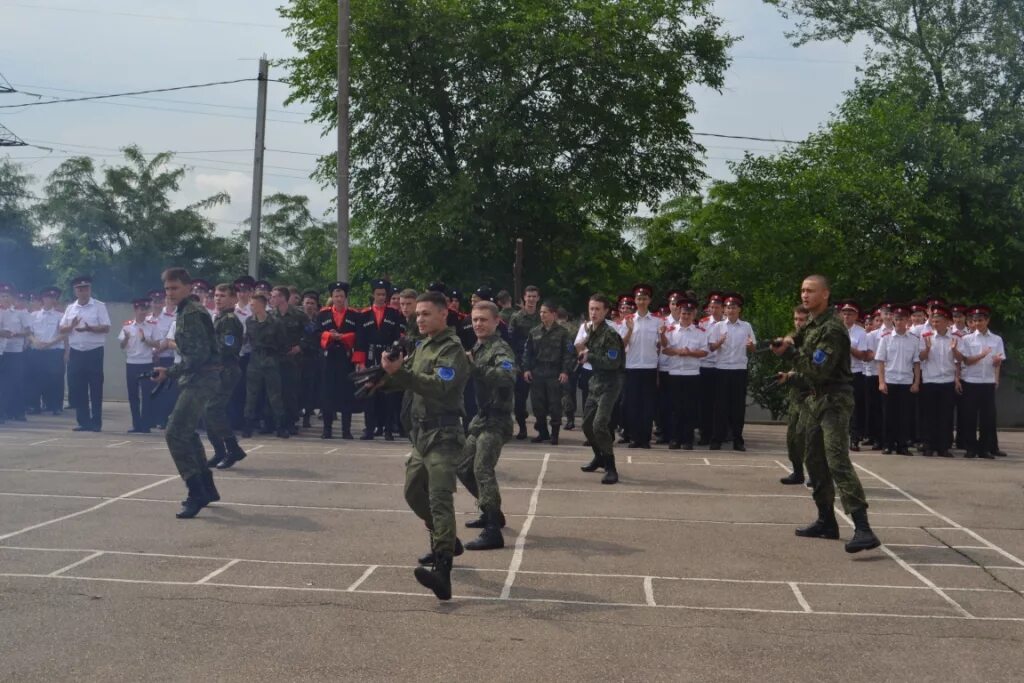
(686, 570)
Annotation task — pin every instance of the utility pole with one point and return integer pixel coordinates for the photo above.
(343, 138)
(257, 170)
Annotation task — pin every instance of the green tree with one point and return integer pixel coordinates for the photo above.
(22, 255)
(477, 122)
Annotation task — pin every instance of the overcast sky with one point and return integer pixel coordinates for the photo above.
(68, 48)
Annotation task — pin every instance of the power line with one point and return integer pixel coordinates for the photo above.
(135, 15)
(748, 137)
(126, 94)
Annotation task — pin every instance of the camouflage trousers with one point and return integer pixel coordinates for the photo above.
(546, 399)
(185, 446)
(480, 457)
(430, 481)
(217, 425)
(264, 376)
(597, 413)
(795, 436)
(826, 421)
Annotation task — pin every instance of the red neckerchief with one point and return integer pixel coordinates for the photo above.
(338, 321)
(378, 314)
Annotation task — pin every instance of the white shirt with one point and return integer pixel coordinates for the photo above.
(666, 362)
(170, 337)
(899, 353)
(642, 350)
(711, 359)
(870, 343)
(981, 372)
(582, 335)
(921, 328)
(857, 335)
(940, 367)
(17, 321)
(45, 324)
(93, 313)
(732, 355)
(693, 338)
(243, 313)
(138, 351)
(163, 323)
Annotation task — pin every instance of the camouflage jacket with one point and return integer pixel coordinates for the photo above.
(605, 351)
(494, 375)
(549, 351)
(267, 338)
(197, 345)
(229, 332)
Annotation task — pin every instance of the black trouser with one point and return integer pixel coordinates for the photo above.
(583, 382)
(46, 378)
(337, 391)
(899, 410)
(377, 412)
(664, 417)
(730, 405)
(521, 396)
(309, 387)
(979, 407)
(139, 390)
(708, 387)
(161, 408)
(859, 421)
(685, 407)
(85, 387)
(12, 376)
(937, 415)
(639, 403)
(874, 426)
(236, 406)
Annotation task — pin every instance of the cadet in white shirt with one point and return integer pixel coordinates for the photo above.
(86, 322)
(708, 377)
(163, 356)
(49, 347)
(850, 313)
(663, 421)
(15, 328)
(899, 378)
(982, 354)
(733, 340)
(640, 391)
(684, 343)
(243, 311)
(939, 383)
(137, 339)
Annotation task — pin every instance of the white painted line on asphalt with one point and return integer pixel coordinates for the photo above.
(52, 495)
(520, 545)
(970, 547)
(105, 503)
(222, 503)
(800, 597)
(359, 582)
(953, 524)
(707, 462)
(330, 451)
(945, 564)
(218, 571)
(649, 591)
(28, 470)
(117, 443)
(82, 561)
(255, 448)
(483, 598)
(916, 545)
(39, 443)
(629, 459)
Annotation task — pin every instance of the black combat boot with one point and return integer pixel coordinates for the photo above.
(521, 434)
(825, 526)
(481, 521)
(439, 578)
(293, 430)
(220, 453)
(854, 445)
(282, 431)
(542, 434)
(305, 421)
(346, 426)
(797, 477)
(611, 475)
(596, 463)
(570, 423)
(212, 494)
(388, 434)
(196, 499)
(367, 434)
(490, 538)
(863, 537)
(429, 557)
(235, 453)
(267, 427)
(328, 431)
(554, 434)
(247, 430)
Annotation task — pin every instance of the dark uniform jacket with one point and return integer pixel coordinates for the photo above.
(381, 327)
(197, 346)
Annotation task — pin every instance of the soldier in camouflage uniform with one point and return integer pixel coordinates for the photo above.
(293, 322)
(604, 350)
(229, 333)
(198, 377)
(312, 358)
(494, 372)
(549, 358)
(267, 338)
(410, 340)
(520, 324)
(821, 358)
(436, 374)
(795, 420)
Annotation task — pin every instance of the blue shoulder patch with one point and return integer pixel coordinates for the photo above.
(446, 374)
(419, 343)
(571, 346)
(613, 353)
(229, 340)
(507, 365)
(819, 357)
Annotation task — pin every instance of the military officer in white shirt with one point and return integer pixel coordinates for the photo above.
(733, 340)
(163, 316)
(939, 382)
(86, 322)
(850, 313)
(684, 343)
(49, 347)
(981, 355)
(899, 379)
(137, 340)
(639, 396)
(708, 377)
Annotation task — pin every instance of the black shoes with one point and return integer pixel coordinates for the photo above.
(439, 578)
(481, 521)
(863, 537)
(521, 434)
(235, 453)
(795, 478)
(429, 557)
(739, 447)
(944, 454)
(327, 433)
(594, 465)
(220, 453)
(825, 526)
(611, 475)
(197, 497)
(854, 445)
(367, 435)
(490, 537)
(282, 433)
(570, 424)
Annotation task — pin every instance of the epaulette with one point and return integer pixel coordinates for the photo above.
(128, 322)
(325, 308)
(885, 334)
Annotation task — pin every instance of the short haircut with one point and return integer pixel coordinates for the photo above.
(176, 274)
(436, 298)
(550, 305)
(260, 296)
(282, 289)
(503, 297)
(292, 290)
(484, 305)
(820, 279)
(531, 288)
(311, 295)
(408, 294)
(602, 299)
(226, 287)
(801, 309)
